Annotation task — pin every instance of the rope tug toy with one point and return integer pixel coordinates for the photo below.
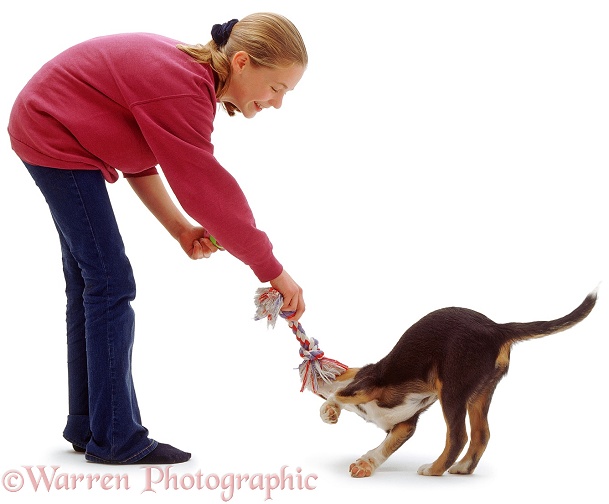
(314, 366)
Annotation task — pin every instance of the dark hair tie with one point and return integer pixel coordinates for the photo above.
(221, 32)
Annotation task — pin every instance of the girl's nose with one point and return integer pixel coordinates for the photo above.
(277, 102)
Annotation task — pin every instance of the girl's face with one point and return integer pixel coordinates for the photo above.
(254, 88)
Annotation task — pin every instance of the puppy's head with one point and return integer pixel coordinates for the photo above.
(326, 388)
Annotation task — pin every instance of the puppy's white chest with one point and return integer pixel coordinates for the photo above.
(387, 418)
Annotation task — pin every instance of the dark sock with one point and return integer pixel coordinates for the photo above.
(164, 454)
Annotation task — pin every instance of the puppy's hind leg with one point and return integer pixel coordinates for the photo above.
(456, 439)
(396, 437)
(477, 410)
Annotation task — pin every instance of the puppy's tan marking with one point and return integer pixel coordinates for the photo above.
(503, 359)
(359, 397)
(347, 375)
(397, 437)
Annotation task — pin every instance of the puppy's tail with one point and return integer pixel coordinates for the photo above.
(517, 331)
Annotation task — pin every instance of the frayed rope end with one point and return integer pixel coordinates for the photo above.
(326, 369)
(314, 366)
(268, 304)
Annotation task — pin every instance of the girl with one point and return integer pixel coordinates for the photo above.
(131, 102)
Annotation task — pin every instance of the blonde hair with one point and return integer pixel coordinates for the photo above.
(270, 40)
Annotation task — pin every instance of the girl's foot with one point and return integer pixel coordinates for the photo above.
(164, 454)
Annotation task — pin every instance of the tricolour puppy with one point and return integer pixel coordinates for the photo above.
(454, 355)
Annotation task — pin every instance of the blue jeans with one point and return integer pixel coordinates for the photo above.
(103, 414)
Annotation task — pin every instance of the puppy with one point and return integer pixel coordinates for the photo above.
(454, 355)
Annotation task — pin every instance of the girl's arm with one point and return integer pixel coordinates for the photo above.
(193, 239)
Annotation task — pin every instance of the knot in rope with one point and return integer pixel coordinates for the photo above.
(305, 353)
(309, 348)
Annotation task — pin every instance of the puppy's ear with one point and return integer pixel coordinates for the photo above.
(362, 385)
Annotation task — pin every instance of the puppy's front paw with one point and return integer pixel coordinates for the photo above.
(329, 412)
(361, 468)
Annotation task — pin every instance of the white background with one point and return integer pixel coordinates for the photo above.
(435, 153)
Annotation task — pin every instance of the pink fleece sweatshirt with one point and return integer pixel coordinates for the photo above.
(129, 102)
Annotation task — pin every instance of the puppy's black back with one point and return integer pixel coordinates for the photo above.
(458, 345)
(448, 338)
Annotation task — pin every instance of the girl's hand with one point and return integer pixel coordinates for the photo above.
(293, 300)
(195, 242)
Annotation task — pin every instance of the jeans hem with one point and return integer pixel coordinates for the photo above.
(77, 430)
(75, 443)
(131, 460)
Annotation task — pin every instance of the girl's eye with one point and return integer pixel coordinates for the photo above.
(274, 90)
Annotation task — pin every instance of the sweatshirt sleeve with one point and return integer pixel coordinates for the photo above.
(145, 173)
(178, 131)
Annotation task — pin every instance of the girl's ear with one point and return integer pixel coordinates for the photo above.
(240, 61)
